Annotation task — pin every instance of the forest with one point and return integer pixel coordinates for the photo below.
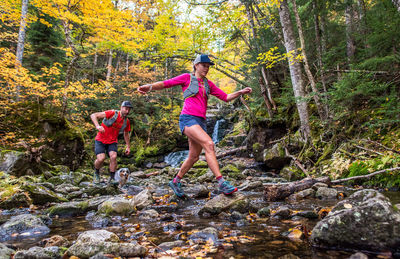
(325, 103)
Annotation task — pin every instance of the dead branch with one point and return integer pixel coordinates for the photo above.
(366, 176)
(297, 162)
(369, 150)
(381, 145)
(232, 151)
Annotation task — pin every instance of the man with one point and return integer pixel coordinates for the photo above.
(106, 140)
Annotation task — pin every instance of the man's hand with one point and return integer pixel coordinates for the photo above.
(100, 129)
(127, 150)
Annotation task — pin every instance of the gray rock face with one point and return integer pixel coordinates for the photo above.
(366, 220)
(41, 195)
(18, 164)
(93, 242)
(52, 252)
(117, 206)
(23, 226)
(5, 252)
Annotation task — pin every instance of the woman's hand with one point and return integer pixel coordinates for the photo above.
(144, 89)
(246, 90)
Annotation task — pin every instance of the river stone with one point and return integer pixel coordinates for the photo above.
(197, 191)
(52, 252)
(148, 215)
(117, 206)
(93, 242)
(169, 245)
(204, 235)
(366, 220)
(143, 199)
(220, 203)
(21, 224)
(326, 193)
(5, 252)
(41, 195)
(307, 193)
(17, 200)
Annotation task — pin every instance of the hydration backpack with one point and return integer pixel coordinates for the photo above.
(193, 88)
(110, 121)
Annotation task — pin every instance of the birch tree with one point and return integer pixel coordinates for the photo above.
(295, 69)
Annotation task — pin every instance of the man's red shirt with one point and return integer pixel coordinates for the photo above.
(110, 134)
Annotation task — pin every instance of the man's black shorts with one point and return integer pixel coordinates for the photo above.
(100, 147)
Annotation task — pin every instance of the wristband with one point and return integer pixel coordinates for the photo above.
(151, 87)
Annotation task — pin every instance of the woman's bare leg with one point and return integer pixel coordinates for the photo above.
(198, 136)
(194, 153)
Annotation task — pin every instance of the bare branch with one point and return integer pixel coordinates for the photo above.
(366, 176)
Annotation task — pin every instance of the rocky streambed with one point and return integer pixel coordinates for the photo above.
(66, 215)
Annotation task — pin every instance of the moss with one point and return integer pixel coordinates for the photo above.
(256, 147)
(83, 205)
(200, 164)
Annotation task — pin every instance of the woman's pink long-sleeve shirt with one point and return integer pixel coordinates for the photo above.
(195, 105)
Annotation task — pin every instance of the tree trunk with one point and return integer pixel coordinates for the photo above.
(319, 45)
(22, 32)
(21, 42)
(268, 88)
(397, 4)
(71, 64)
(295, 69)
(127, 65)
(94, 65)
(350, 43)
(322, 111)
(109, 65)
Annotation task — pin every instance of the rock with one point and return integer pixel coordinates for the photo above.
(52, 252)
(232, 172)
(204, 235)
(169, 245)
(358, 255)
(41, 195)
(282, 213)
(275, 157)
(93, 242)
(76, 208)
(220, 203)
(17, 200)
(307, 214)
(207, 177)
(117, 206)
(23, 226)
(172, 227)
(200, 164)
(307, 193)
(19, 164)
(133, 189)
(325, 193)
(5, 252)
(55, 240)
(264, 212)
(364, 221)
(197, 192)
(148, 215)
(143, 199)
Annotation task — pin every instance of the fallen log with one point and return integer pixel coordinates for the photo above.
(230, 152)
(275, 192)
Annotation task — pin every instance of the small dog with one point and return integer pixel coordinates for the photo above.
(121, 176)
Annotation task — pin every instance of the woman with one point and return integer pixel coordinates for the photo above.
(192, 121)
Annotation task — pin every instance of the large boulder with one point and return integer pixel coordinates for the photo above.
(364, 221)
(117, 206)
(93, 242)
(261, 133)
(275, 157)
(19, 163)
(41, 195)
(23, 226)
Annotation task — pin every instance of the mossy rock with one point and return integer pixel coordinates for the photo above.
(232, 172)
(291, 173)
(197, 172)
(41, 195)
(200, 164)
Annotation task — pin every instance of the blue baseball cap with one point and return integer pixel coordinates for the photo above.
(202, 58)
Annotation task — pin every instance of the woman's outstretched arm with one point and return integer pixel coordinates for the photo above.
(236, 94)
(143, 89)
